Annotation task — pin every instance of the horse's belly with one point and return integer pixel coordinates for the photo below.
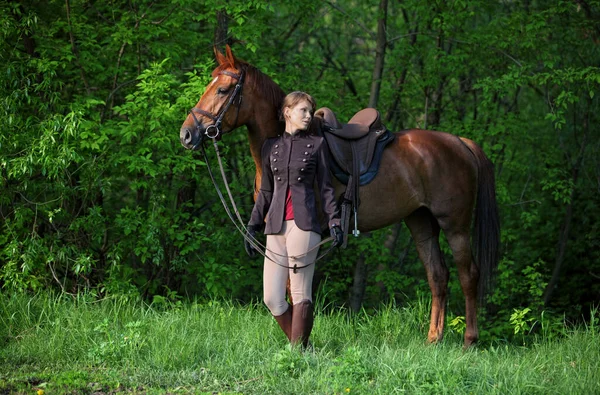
(382, 202)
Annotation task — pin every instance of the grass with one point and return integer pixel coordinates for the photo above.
(115, 345)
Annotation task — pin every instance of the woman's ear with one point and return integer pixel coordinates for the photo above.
(286, 114)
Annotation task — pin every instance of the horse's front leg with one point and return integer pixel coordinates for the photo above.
(425, 232)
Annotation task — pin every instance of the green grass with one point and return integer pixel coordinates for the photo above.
(115, 345)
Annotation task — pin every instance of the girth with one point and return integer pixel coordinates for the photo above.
(356, 149)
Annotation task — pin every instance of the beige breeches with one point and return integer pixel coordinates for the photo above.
(291, 241)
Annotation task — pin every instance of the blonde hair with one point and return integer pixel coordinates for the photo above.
(294, 98)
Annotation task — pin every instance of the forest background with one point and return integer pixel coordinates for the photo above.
(97, 195)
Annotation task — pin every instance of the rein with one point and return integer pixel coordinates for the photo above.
(214, 136)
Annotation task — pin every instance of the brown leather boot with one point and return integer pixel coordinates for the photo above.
(302, 323)
(285, 322)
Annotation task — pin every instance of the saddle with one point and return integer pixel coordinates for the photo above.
(356, 149)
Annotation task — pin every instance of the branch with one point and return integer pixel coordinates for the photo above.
(369, 32)
(165, 18)
(110, 95)
(38, 204)
(340, 68)
(403, 36)
(74, 47)
(524, 202)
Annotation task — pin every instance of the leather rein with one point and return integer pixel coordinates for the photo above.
(214, 132)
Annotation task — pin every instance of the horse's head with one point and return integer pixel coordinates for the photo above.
(220, 108)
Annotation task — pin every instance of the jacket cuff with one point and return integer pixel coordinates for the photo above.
(334, 222)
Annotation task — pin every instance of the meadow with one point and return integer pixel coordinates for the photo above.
(81, 345)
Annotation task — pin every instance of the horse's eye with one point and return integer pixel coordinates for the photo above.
(222, 91)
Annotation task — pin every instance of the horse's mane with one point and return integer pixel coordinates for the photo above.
(257, 80)
(265, 88)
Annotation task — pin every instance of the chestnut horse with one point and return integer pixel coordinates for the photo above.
(432, 180)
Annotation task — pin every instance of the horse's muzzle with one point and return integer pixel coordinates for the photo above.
(190, 138)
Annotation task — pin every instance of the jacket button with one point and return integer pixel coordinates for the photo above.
(302, 169)
(299, 178)
(306, 153)
(275, 153)
(308, 145)
(278, 178)
(275, 160)
(276, 145)
(303, 160)
(275, 169)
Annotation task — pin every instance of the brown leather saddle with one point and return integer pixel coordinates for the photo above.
(352, 144)
(356, 149)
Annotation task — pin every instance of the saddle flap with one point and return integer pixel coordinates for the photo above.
(342, 151)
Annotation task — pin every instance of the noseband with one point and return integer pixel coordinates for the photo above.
(214, 131)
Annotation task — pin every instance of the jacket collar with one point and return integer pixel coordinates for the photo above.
(299, 134)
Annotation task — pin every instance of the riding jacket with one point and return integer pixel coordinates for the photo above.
(300, 162)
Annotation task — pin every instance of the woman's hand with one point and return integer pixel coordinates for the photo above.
(338, 236)
(250, 236)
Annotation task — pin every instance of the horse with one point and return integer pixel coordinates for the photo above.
(433, 181)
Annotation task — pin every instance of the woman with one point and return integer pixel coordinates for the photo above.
(291, 163)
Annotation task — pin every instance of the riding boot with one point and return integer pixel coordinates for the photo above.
(302, 323)
(285, 322)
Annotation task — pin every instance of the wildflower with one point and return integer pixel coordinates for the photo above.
(40, 392)
(347, 389)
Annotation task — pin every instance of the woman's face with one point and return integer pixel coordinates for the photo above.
(298, 117)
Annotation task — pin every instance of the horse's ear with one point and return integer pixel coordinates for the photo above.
(219, 56)
(230, 56)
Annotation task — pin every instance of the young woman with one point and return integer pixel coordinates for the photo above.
(286, 206)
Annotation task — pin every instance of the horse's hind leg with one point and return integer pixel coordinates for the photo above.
(468, 274)
(425, 232)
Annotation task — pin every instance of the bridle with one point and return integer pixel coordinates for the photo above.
(214, 131)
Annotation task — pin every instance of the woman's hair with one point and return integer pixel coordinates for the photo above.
(294, 98)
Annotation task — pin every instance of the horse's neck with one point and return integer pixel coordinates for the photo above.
(263, 122)
(258, 133)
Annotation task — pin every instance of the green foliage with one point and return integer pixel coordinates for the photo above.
(97, 195)
(97, 192)
(291, 361)
(458, 324)
(521, 320)
(110, 348)
(350, 370)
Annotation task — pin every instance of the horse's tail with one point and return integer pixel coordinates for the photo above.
(486, 237)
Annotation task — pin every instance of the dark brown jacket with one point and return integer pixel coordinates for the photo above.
(297, 161)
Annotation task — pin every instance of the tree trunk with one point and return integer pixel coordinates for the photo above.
(564, 233)
(357, 293)
(393, 114)
(221, 31)
(561, 247)
(390, 244)
(379, 54)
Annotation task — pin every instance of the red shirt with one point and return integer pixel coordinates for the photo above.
(289, 209)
